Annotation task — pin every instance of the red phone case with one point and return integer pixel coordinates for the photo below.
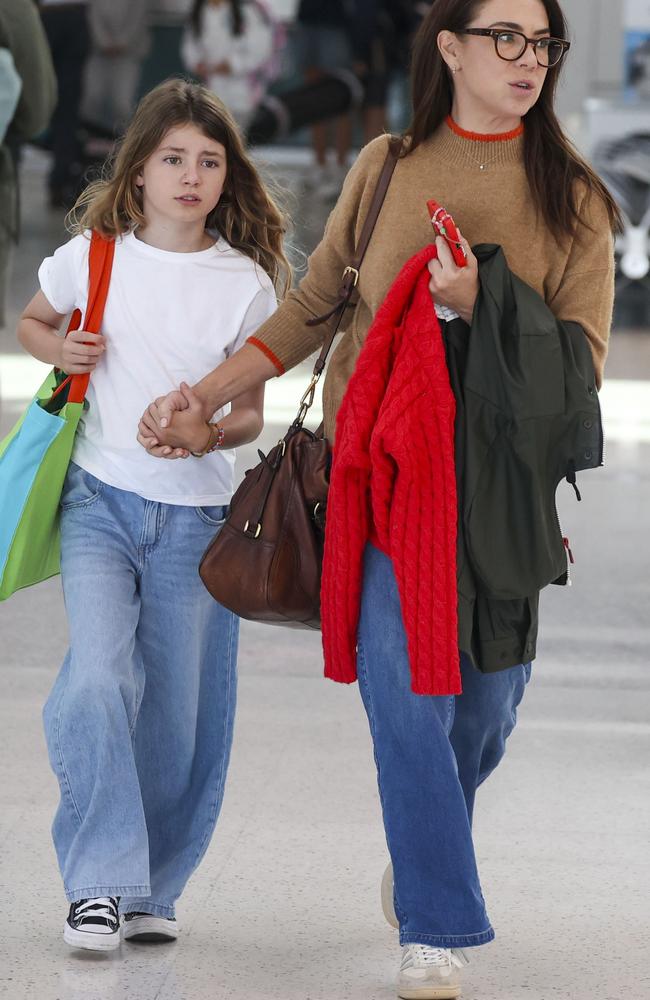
(445, 226)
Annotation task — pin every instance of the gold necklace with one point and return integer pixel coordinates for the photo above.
(483, 164)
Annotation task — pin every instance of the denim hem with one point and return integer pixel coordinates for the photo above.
(447, 940)
(153, 909)
(93, 891)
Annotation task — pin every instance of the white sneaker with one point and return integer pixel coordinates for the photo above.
(387, 897)
(93, 924)
(430, 973)
(148, 928)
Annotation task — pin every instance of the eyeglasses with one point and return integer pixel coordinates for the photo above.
(511, 45)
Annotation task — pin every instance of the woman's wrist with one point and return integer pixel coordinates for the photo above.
(200, 449)
(248, 367)
(216, 435)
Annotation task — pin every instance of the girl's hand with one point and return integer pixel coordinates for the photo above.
(187, 433)
(80, 352)
(151, 425)
(453, 286)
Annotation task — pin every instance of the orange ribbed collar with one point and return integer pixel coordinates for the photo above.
(481, 137)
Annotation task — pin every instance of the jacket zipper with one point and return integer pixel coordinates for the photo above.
(565, 544)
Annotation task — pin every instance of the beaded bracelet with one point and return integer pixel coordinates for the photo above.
(213, 442)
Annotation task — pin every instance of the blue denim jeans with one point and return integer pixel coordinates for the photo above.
(432, 753)
(139, 723)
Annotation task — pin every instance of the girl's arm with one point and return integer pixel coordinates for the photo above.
(38, 332)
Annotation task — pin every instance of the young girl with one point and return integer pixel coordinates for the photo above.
(139, 722)
(226, 44)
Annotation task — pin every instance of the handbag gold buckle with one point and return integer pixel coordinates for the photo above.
(258, 529)
(351, 270)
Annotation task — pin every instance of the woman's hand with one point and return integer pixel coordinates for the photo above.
(453, 286)
(80, 352)
(189, 431)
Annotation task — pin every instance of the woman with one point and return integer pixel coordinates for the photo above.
(322, 46)
(484, 142)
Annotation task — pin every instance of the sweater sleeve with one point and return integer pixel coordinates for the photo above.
(285, 338)
(586, 294)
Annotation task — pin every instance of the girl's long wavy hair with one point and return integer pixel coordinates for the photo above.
(246, 215)
(236, 13)
(553, 165)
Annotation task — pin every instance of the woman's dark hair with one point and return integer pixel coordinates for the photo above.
(235, 8)
(553, 165)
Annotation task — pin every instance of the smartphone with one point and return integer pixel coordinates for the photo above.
(445, 226)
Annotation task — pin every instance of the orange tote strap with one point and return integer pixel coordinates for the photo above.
(100, 264)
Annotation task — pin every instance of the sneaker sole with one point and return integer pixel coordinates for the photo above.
(430, 993)
(387, 902)
(148, 931)
(89, 941)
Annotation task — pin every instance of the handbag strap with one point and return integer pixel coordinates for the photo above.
(100, 265)
(350, 276)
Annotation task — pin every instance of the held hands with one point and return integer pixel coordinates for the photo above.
(453, 286)
(190, 425)
(80, 352)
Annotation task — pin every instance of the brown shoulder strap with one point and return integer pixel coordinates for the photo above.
(392, 156)
(350, 275)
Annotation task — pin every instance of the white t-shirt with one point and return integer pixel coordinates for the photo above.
(169, 317)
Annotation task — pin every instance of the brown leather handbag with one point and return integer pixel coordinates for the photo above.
(265, 562)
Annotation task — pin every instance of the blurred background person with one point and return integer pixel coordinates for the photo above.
(119, 42)
(27, 110)
(66, 26)
(228, 45)
(10, 87)
(380, 36)
(322, 44)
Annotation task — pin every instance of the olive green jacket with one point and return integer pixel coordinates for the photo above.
(527, 417)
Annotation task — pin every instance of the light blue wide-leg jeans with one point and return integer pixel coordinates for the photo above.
(432, 753)
(139, 723)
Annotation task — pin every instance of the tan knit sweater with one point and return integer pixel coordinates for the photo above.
(493, 205)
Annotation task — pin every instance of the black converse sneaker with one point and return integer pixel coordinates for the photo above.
(93, 924)
(149, 928)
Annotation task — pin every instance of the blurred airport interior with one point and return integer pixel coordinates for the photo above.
(575, 820)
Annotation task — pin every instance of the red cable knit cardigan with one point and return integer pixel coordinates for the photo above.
(393, 471)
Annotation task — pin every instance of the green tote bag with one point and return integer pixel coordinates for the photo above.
(35, 455)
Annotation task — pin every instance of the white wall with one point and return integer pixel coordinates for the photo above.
(595, 62)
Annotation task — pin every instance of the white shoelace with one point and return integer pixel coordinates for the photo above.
(422, 955)
(102, 908)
